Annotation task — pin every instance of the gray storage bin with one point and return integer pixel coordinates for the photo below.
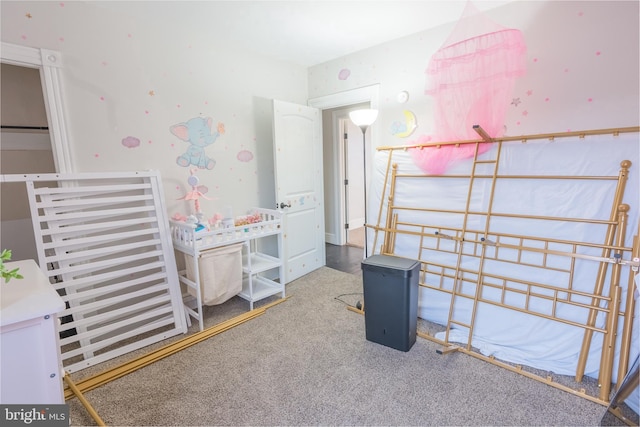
(390, 286)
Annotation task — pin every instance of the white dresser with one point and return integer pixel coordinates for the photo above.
(30, 353)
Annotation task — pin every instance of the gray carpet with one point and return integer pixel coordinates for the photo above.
(306, 362)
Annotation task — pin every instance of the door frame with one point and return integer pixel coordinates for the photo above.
(341, 124)
(340, 145)
(353, 172)
(370, 94)
(49, 63)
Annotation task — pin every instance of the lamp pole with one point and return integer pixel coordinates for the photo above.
(364, 186)
(363, 119)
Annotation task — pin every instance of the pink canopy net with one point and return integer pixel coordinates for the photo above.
(471, 79)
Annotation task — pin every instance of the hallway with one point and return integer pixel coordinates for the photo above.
(344, 258)
(355, 237)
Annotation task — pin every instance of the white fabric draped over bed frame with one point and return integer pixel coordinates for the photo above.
(510, 335)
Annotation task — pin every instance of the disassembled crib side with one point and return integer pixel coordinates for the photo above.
(483, 245)
(103, 241)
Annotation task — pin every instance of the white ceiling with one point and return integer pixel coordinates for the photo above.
(304, 32)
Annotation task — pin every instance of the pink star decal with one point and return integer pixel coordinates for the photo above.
(529, 92)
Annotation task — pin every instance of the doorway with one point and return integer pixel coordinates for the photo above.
(333, 107)
(44, 68)
(26, 148)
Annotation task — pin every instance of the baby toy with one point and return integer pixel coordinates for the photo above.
(197, 191)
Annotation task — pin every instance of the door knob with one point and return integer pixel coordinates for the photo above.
(282, 205)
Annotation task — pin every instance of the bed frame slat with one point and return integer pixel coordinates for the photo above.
(103, 241)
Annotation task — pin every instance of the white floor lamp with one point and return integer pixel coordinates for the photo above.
(363, 119)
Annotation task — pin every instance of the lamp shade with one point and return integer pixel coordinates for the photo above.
(363, 118)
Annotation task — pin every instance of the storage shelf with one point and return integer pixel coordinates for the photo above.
(259, 262)
(262, 288)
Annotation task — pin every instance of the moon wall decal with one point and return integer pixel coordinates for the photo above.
(410, 123)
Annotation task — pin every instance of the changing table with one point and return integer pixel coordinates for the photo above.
(258, 269)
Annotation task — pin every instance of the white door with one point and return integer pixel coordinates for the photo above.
(354, 165)
(297, 135)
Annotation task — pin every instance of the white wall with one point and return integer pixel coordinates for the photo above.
(582, 69)
(128, 78)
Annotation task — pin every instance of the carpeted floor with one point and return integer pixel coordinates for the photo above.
(306, 362)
